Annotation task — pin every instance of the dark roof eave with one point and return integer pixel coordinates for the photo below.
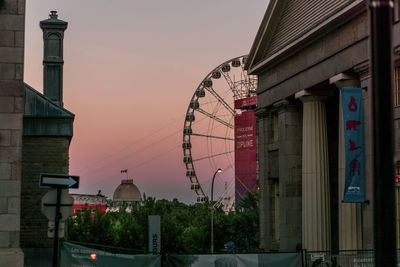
(46, 126)
(347, 13)
(63, 112)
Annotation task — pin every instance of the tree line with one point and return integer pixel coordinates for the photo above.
(184, 228)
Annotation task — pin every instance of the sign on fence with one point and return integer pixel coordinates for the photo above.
(75, 255)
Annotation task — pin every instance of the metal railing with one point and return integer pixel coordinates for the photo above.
(345, 258)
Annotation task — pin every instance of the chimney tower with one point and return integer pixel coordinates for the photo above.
(53, 60)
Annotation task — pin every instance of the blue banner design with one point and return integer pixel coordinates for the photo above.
(353, 120)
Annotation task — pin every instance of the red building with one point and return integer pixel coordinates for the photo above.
(93, 202)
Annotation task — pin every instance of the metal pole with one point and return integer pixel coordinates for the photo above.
(56, 226)
(212, 228)
(383, 181)
(212, 210)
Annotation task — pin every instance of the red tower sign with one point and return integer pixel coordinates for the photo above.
(245, 150)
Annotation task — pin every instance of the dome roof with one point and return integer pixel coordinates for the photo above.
(127, 191)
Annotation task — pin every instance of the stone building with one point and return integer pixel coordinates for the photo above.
(303, 53)
(12, 26)
(35, 132)
(46, 136)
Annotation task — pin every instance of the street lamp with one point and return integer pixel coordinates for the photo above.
(212, 209)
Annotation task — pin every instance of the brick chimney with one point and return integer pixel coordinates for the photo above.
(53, 60)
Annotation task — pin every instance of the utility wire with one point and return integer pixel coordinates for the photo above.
(134, 152)
(93, 165)
(142, 163)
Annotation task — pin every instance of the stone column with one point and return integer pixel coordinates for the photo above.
(264, 203)
(12, 18)
(315, 174)
(350, 219)
(290, 160)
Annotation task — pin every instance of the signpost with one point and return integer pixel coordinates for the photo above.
(51, 229)
(57, 204)
(59, 180)
(381, 25)
(49, 204)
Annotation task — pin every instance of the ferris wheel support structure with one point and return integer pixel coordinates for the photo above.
(208, 132)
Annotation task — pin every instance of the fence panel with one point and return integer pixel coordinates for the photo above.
(236, 260)
(75, 255)
(345, 258)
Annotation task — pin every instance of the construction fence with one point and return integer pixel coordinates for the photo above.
(78, 255)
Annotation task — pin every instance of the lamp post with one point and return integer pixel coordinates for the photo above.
(212, 210)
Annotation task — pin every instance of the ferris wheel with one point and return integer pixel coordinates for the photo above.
(208, 132)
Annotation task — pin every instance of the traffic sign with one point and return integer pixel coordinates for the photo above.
(57, 205)
(51, 229)
(49, 201)
(59, 180)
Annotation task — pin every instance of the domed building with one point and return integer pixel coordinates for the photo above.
(126, 194)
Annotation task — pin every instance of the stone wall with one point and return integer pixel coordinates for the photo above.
(39, 155)
(317, 62)
(12, 23)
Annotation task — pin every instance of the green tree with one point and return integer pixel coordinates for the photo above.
(245, 224)
(184, 228)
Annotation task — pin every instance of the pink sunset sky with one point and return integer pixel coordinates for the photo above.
(131, 68)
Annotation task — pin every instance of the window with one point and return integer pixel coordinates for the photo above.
(396, 95)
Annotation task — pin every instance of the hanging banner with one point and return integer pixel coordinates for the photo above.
(397, 180)
(245, 154)
(353, 120)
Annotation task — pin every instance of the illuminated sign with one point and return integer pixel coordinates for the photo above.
(246, 102)
(245, 153)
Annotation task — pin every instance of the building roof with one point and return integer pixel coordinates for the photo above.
(127, 191)
(38, 105)
(53, 22)
(289, 23)
(42, 117)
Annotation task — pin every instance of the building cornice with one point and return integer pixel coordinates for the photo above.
(362, 69)
(344, 15)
